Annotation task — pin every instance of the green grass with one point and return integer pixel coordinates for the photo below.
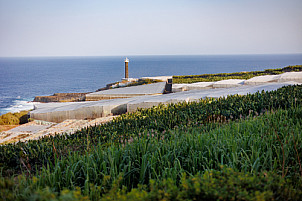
(19, 157)
(257, 146)
(238, 75)
(145, 155)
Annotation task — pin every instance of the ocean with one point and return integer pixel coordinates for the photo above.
(21, 79)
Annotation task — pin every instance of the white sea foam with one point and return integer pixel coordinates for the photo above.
(19, 105)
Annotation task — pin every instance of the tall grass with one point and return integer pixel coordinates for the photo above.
(263, 144)
(26, 156)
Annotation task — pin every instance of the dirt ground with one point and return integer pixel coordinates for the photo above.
(7, 127)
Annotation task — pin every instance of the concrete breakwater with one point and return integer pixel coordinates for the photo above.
(128, 92)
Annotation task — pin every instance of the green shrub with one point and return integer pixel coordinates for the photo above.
(226, 184)
(9, 119)
(9, 192)
(222, 184)
(14, 118)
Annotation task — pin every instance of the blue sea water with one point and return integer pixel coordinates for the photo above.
(21, 79)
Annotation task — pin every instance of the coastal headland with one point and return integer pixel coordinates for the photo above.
(129, 96)
(226, 134)
(233, 142)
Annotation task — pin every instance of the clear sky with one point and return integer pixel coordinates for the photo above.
(149, 27)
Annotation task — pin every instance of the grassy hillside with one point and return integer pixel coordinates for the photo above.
(185, 163)
(234, 148)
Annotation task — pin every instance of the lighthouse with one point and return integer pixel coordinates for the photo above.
(126, 68)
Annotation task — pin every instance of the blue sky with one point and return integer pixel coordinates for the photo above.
(157, 27)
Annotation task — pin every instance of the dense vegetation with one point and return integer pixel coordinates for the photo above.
(234, 148)
(14, 118)
(239, 75)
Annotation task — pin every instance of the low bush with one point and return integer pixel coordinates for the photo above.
(14, 118)
(222, 184)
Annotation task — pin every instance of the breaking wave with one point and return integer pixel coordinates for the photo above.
(17, 106)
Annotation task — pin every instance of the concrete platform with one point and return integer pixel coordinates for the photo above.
(193, 86)
(196, 95)
(37, 129)
(258, 80)
(128, 92)
(146, 96)
(228, 83)
(58, 112)
(262, 79)
(291, 76)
